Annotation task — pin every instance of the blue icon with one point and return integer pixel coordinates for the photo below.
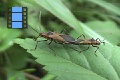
(17, 17)
(16, 9)
(16, 24)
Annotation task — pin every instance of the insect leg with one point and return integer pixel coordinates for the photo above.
(55, 41)
(49, 45)
(37, 44)
(64, 31)
(85, 49)
(51, 41)
(36, 38)
(100, 41)
(81, 35)
(74, 49)
(96, 49)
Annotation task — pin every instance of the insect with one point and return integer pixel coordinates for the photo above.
(67, 39)
(92, 41)
(56, 37)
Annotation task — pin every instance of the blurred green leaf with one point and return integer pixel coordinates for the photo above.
(33, 17)
(107, 51)
(68, 62)
(7, 35)
(48, 77)
(108, 6)
(17, 57)
(57, 8)
(107, 29)
(15, 75)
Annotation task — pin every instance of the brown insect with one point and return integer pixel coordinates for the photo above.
(93, 42)
(56, 37)
(67, 39)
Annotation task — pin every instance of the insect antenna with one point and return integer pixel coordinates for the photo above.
(40, 20)
(39, 26)
(103, 41)
(34, 29)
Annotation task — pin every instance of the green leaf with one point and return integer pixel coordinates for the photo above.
(48, 77)
(17, 60)
(7, 35)
(107, 29)
(108, 6)
(15, 75)
(57, 8)
(107, 52)
(68, 63)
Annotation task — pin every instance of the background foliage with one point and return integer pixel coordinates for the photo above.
(93, 18)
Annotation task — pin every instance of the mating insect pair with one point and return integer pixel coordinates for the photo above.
(67, 39)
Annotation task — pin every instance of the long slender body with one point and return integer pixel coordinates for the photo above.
(56, 37)
(89, 42)
(66, 39)
(61, 38)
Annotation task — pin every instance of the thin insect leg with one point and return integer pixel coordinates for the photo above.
(37, 44)
(100, 41)
(96, 49)
(64, 31)
(49, 45)
(51, 41)
(36, 38)
(85, 49)
(55, 41)
(58, 42)
(81, 35)
(50, 48)
(74, 49)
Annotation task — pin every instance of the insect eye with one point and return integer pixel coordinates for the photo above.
(49, 33)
